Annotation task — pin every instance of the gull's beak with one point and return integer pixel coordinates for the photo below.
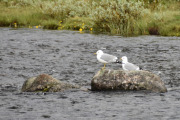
(95, 53)
(121, 59)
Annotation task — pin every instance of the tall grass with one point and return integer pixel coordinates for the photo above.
(117, 17)
(124, 17)
(23, 16)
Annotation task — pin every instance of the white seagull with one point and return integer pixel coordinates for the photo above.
(106, 58)
(128, 66)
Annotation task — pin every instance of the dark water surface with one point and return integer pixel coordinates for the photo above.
(68, 56)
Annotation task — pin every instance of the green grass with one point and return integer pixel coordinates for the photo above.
(123, 17)
(171, 27)
(75, 23)
(165, 23)
(23, 17)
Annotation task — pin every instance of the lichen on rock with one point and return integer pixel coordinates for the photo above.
(45, 83)
(127, 80)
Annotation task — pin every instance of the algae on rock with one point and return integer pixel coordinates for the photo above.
(45, 83)
(127, 80)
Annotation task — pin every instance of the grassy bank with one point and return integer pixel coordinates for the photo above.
(123, 17)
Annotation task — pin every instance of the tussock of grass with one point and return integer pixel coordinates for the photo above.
(75, 23)
(50, 24)
(124, 17)
(24, 17)
(171, 27)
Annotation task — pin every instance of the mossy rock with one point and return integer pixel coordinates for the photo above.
(45, 83)
(127, 80)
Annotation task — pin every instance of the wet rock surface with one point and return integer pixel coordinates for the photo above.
(68, 56)
(46, 83)
(127, 80)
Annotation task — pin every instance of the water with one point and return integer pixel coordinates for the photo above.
(68, 56)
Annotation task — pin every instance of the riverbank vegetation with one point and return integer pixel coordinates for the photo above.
(123, 17)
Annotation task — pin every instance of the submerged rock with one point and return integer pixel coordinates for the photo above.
(45, 83)
(127, 80)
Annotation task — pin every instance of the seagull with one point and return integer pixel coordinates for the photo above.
(128, 66)
(105, 58)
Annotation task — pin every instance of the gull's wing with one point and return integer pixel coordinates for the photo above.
(130, 66)
(108, 57)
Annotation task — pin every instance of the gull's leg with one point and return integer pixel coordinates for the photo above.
(104, 66)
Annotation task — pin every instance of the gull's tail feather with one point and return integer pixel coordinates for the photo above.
(140, 68)
(118, 62)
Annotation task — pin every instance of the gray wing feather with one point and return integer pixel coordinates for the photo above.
(130, 66)
(108, 58)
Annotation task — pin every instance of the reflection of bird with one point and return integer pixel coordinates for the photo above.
(128, 66)
(105, 58)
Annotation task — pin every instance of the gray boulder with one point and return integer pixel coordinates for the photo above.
(45, 83)
(127, 80)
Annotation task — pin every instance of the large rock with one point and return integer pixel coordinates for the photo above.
(127, 80)
(45, 83)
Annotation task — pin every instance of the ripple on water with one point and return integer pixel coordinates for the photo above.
(68, 56)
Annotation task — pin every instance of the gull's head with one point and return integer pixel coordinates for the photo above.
(124, 59)
(99, 52)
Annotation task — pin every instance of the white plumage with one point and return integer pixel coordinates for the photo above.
(128, 66)
(105, 58)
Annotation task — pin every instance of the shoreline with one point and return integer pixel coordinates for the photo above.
(148, 22)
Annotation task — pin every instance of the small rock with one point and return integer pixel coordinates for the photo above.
(45, 83)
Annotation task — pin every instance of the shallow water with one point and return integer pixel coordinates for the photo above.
(68, 56)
